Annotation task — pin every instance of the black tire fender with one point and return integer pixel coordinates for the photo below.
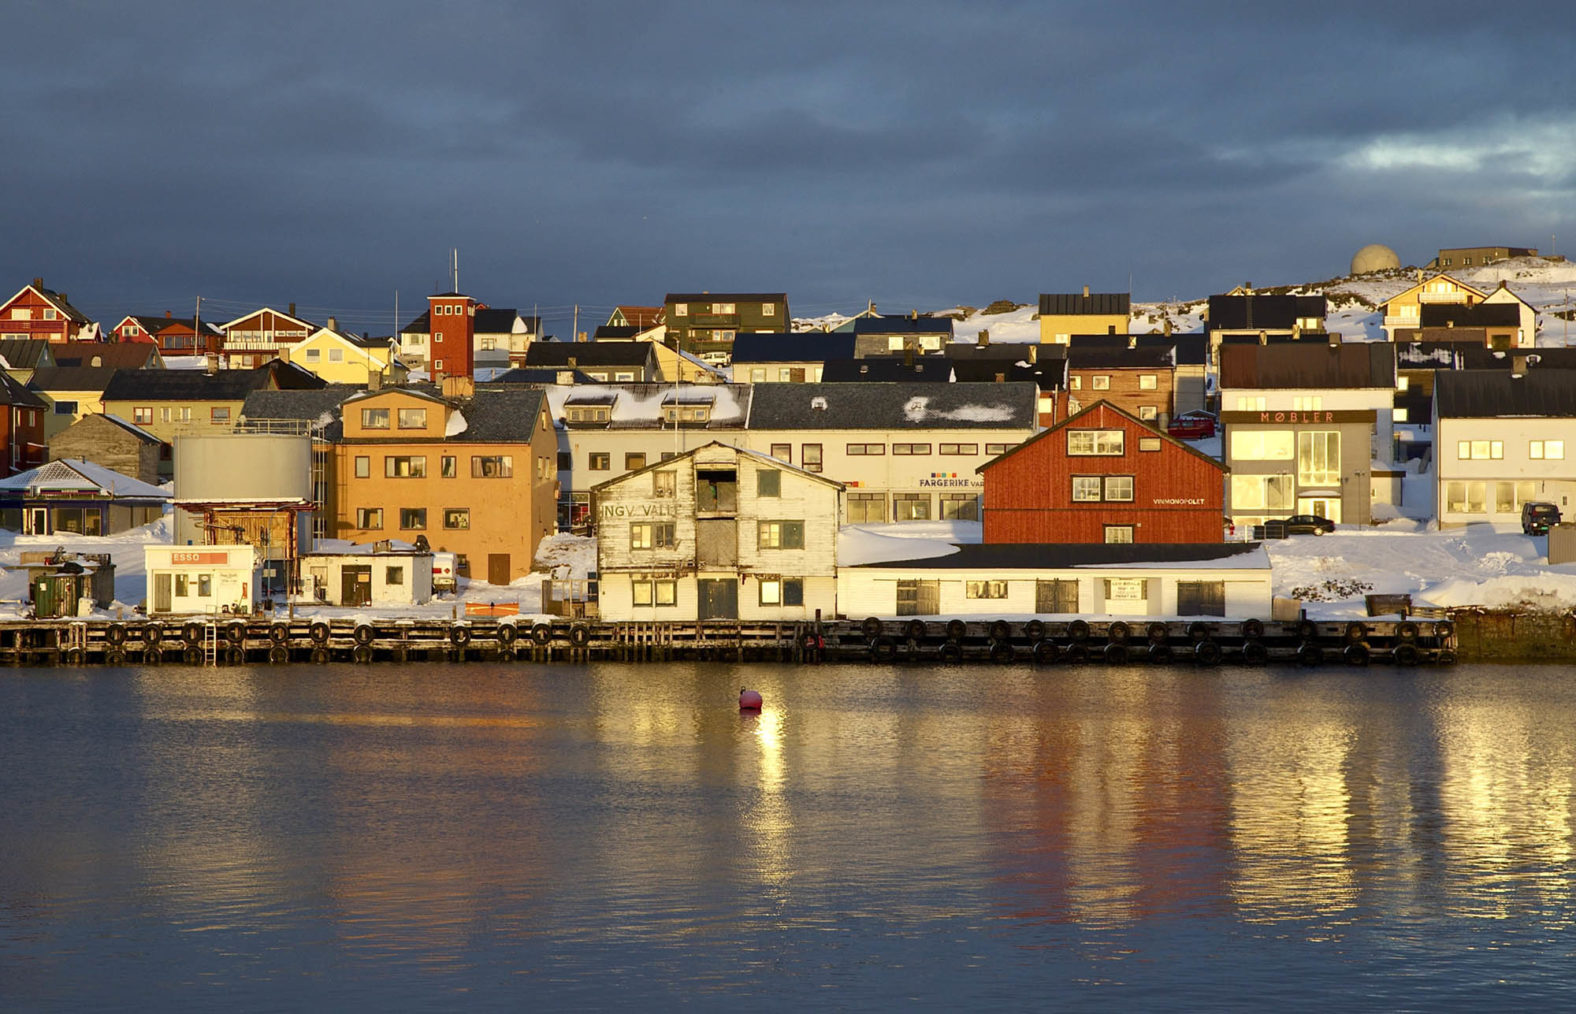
(1207, 652)
(279, 633)
(1118, 632)
(1159, 651)
(882, 649)
(541, 634)
(114, 657)
(1406, 654)
(1198, 631)
(1078, 630)
(1406, 631)
(1046, 653)
(460, 635)
(1001, 653)
(871, 626)
(115, 633)
(957, 630)
(278, 654)
(1252, 629)
(950, 651)
(1254, 653)
(320, 632)
(579, 635)
(1356, 653)
(152, 633)
(1034, 630)
(508, 633)
(364, 634)
(1356, 631)
(1309, 653)
(1115, 653)
(1159, 633)
(1000, 630)
(915, 630)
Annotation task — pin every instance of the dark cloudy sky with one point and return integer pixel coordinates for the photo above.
(919, 154)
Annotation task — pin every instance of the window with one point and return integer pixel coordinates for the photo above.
(768, 482)
(336, 355)
(405, 467)
(653, 535)
(457, 517)
(142, 415)
(1250, 403)
(624, 377)
(447, 466)
(654, 592)
(1546, 450)
(313, 355)
(50, 314)
(1466, 497)
(204, 585)
(910, 506)
(1118, 534)
(413, 517)
(1201, 598)
(866, 508)
(780, 535)
(664, 485)
(757, 374)
(995, 450)
(65, 408)
(219, 414)
(985, 589)
(634, 462)
(1307, 403)
(1262, 445)
(584, 414)
(1403, 383)
(492, 466)
(600, 461)
(437, 364)
(1148, 413)
(1119, 488)
(412, 418)
(1097, 488)
(911, 448)
(960, 507)
(960, 448)
(855, 450)
(810, 457)
(369, 517)
(1086, 443)
(781, 591)
(489, 344)
(681, 309)
(1149, 443)
(1148, 381)
(1075, 383)
(394, 576)
(1100, 383)
(783, 452)
(1263, 492)
(768, 309)
(1509, 496)
(182, 587)
(724, 308)
(566, 461)
(1086, 488)
(1319, 457)
(1399, 415)
(374, 418)
(363, 466)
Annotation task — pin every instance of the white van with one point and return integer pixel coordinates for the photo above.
(445, 567)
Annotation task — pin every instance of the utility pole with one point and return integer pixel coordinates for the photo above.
(197, 328)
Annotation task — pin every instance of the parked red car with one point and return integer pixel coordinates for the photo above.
(1192, 426)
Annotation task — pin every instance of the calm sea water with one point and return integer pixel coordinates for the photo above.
(600, 837)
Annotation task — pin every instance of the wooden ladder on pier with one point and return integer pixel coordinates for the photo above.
(210, 642)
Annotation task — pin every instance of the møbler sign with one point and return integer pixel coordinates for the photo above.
(1305, 417)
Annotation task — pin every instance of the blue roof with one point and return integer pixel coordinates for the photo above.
(903, 325)
(794, 347)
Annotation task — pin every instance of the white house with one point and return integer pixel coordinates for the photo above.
(201, 579)
(1502, 438)
(383, 574)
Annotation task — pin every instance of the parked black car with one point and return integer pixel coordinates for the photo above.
(1538, 517)
(1308, 524)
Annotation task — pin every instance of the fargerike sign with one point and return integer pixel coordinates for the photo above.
(1293, 417)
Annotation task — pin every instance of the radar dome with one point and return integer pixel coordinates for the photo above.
(1374, 257)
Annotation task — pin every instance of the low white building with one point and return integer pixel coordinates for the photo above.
(1502, 438)
(1230, 580)
(383, 574)
(717, 533)
(201, 579)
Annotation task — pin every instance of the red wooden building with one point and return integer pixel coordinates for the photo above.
(1103, 476)
(21, 427)
(37, 312)
(453, 319)
(175, 336)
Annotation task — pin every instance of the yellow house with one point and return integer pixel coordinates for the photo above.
(72, 392)
(1404, 309)
(475, 474)
(342, 358)
(1064, 314)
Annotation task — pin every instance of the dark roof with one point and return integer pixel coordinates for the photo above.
(120, 355)
(421, 325)
(615, 332)
(1304, 338)
(501, 414)
(1059, 556)
(726, 297)
(199, 385)
(792, 347)
(306, 406)
(500, 320)
(13, 393)
(1461, 315)
(521, 375)
(893, 406)
(1010, 351)
(71, 378)
(1063, 303)
(888, 369)
(1191, 347)
(1487, 394)
(1308, 365)
(558, 354)
(1268, 312)
(129, 427)
(59, 299)
(902, 325)
(24, 353)
(154, 323)
(1074, 421)
(1084, 357)
(1047, 375)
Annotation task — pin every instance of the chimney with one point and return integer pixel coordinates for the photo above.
(211, 364)
(1335, 339)
(292, 309)
(983, 338)
(333, 322)
(38, 283)
(168, 314)
(913, 315)
(1518, 364)
(572, 362)
(458, 386)
(580, 336)
(374, 381)
(1168, 327)
(1086, 292)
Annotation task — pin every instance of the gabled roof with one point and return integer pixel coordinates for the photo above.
(199, 385)
(76, 475)
(71, 378)
(1065, 303)
(154, 323)
(501, 320)
(1190, 348)
(791, 347)
(56, 299)
(268, 309)
(756, 456)
(539, 376)
(26, 353)
(1492, 394)
(1433, 277)
(868, 325)
(725, 297)
(1308, 366)
(1261, 311)
(1049, 374)
(1461, 315)
(1010, 351)
(129, 427)
(1085, 357)
(119, 355)
(1062, 556)
(905, 406)
(1075, 421)
(13, 393)
(614, 332)
(304, 406)
(584, 354)
(502, 414)
(642, 317)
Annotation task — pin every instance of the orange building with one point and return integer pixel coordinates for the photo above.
(475, 473)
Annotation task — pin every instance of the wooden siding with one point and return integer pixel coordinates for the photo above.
(1124, 391)
(1177, 495)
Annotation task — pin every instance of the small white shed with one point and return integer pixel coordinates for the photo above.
(383, 574)
(201, 579)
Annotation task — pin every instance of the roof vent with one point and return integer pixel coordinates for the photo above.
(818, 404)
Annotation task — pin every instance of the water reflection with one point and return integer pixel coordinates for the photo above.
(614, 827)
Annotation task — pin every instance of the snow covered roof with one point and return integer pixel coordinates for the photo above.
(639, 406)
(75, 475)
(1064, 556)
(879, 406)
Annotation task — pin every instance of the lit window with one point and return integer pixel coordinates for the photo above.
(1095, 442)
(405, 467)
(369, 517)
(1100, 383)
(960, 448)
(652, 535)
(412, 418)
(1148, 381)
(363, 466)
(492, 466)
(457, 517)
(1480, 450)
(374, 418)
(1546, 450)
(413, 517)
(780, 535)
(1118, 534)
(985, 589)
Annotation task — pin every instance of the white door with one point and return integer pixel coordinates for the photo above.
(1320, 506)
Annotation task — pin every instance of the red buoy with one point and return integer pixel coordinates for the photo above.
(749, 700)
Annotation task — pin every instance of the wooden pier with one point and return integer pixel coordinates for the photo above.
(915, 640)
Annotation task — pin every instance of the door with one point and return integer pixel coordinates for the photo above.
(1321, 507)
(716, 543)
(1056, 596)
(38, 521)
(1201, 598)
(355, 585)
(161, 593)
(918, 598)
(719, 598)
(92, 522)
(498, 568)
